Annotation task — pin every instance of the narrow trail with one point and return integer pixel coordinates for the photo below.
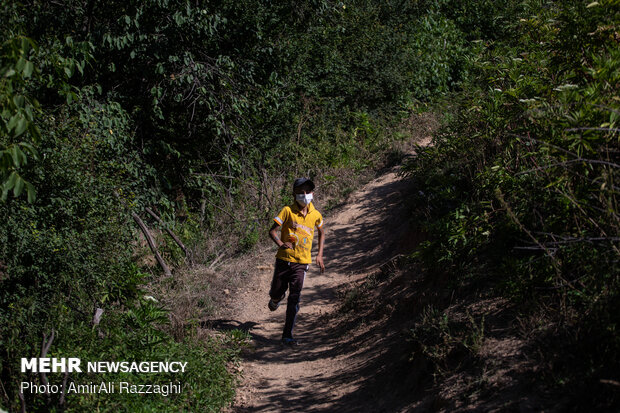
(324, 372)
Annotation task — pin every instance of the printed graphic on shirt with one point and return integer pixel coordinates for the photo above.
(302, 227)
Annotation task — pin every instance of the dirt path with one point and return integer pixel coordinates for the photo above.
(322, 373)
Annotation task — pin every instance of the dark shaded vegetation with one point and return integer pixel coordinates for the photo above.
(519, 192)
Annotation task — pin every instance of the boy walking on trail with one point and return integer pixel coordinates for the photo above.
(295, 223)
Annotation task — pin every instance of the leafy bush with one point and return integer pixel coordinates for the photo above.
(444, 342)
(65, 252)
(532, 207)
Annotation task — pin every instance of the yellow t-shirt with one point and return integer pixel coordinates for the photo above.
(298, 230)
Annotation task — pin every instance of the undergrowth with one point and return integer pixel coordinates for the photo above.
(446, 343)
(519, 190)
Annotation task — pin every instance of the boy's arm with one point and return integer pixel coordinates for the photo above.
(273, 233)
(319, 255)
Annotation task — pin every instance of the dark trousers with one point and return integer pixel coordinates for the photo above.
(288, 275)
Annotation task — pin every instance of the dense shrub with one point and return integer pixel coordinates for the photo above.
(532, 207)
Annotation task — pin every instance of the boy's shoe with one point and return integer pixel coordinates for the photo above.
(291, 342)
(273, 306)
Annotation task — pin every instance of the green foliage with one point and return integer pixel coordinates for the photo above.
(134, 335)
(66, 252)
(484, 19)
(447, 344)
(532, 207)
(249, 240)
(439, 51)
(18, 130)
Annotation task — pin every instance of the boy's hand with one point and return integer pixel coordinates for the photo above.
(319, 262)
(286, 246)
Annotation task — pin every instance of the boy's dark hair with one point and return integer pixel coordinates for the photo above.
(302, 181)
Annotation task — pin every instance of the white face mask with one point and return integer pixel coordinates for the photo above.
(303, 199)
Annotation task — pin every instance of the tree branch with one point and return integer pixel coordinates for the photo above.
(168, 230)
(63, 394)
(152, 244)
(22, 401)
(590, 128)
(149, 238)
(592, 161)
(515, 219)
(45, 348)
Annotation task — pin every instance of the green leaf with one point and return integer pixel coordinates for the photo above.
(20, 64)
(29, 115)
(12, 122)
(32, 195)
(10, 183)
(178, 19)
(22, 125)
(28, 69)
(17, 155)
(19, 101)
(19, 187)
(35, 134)
(30, 149)
(25, 46)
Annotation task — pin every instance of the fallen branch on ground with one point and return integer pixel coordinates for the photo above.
(168, 230)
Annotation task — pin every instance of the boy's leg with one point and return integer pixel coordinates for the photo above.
(279, 283)
(292, 306)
